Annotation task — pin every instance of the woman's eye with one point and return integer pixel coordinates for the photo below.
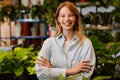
(62, 16)
(71, 15)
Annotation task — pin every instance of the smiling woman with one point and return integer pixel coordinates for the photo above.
(69, 52)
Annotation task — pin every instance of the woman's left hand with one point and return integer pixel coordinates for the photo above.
(44, 62)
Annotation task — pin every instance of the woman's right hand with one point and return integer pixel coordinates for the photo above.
(84, 66)
(44, 62)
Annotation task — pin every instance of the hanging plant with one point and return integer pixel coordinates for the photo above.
(34, 11)
(50, 7)
(8, 11)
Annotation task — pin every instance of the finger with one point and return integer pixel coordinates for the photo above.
(85, 61)
(86, 67)
(44, 58)
(42, 61)
(85, 70)
(85, 64)
(43, 64)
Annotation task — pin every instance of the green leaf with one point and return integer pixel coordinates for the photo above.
(102, 77)
(18, 71)
(75, 76)
(116, 3)
(2, 55)
(115, 48)
(31, 70)
(60, 77)
(97, 44)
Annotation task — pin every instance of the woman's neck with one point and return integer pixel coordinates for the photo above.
(68, 35)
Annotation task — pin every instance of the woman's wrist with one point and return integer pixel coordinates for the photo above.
(70, 71)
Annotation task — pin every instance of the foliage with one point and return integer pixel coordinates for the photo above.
(12, 12)
(36, 11)
(106, 58)
(49, 7)
(7, 11)
(60, 77)
(106, 3)
(18, 61)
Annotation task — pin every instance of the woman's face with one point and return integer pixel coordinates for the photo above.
(66, 18)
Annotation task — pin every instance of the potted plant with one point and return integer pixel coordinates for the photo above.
(19, 62)
(106, 59)
(34, 11)
(49, 8)
(7, 11)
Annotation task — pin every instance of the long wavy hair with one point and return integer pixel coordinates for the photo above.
(78, 25)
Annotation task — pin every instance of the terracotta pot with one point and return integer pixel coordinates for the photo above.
(9, 2)
(15, 2)
(83, 0)
(69, 0)
(14, 41)
(25, 29)
(6, 32)
(34, 29)
(42, 29)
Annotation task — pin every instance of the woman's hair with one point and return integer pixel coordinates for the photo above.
(78, 25)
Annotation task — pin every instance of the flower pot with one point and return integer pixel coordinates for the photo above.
(52, 31)
(18, 29)
(25, 3)
(6, 32)
(8, 2)
(41, 1)
(25, 29)
(42, 29)
(83, 0)
(34, 2)
(34, 29)
(15, 2)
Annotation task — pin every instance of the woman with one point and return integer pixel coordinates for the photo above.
(69, 52)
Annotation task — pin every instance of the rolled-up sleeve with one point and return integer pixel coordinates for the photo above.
(45, 73)
(89, 54)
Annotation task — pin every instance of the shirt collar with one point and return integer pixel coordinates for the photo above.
(61, 36)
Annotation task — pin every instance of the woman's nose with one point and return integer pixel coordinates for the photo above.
(66, 17)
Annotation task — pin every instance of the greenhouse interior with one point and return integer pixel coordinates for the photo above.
(26, 24)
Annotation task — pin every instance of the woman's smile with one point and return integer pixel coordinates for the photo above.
(67, 23)
(66, 18)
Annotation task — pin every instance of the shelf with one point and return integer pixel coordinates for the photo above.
(28, 20)
(78, 4)
(82, 4)
(6, 48)
(26, 37)
(99, 28)
(31, 37)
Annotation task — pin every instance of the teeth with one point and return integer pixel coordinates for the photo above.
(68, 23)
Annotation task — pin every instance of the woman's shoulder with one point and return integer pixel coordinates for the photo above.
(87, 41)
(50, 39)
